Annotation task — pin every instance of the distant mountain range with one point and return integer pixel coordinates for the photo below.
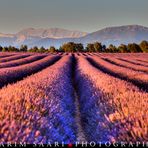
(56, 36)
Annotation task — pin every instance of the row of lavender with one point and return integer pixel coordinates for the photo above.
(39, 108)
(137, 59)
(138, 78)
(130, 62)
(107, 107)
(17, 62)
(126, 64)
(12, 74)
(111, 109)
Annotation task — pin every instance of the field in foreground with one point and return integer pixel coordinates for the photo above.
(73, 97)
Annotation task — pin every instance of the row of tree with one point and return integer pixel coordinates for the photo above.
(78, 47)
(24, 48)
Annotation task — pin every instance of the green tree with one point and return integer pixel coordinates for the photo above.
(42, 50)
(69, 47)
(133, 47)
(144, 46)
(34, 49)
(123, 48)
(23, 48)
(52, 49)
(112, 48)
(90, 47)
(1, 48)
(98, 47)
(103, 48)
(79, 47)
(61, 49)
(5, 49)
(12, 49)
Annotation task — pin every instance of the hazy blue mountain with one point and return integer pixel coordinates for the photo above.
(118, 35)
(56, 37)
(30, 35)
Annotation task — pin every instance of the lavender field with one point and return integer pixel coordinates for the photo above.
(69, 97)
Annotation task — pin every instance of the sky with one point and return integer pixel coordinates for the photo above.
(82, 15)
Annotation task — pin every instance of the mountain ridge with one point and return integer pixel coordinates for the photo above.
(57, 36)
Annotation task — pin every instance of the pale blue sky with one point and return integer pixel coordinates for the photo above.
(84, 15)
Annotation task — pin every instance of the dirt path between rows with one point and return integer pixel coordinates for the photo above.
(80, 132)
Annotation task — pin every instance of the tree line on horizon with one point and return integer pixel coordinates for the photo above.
(78, 47)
